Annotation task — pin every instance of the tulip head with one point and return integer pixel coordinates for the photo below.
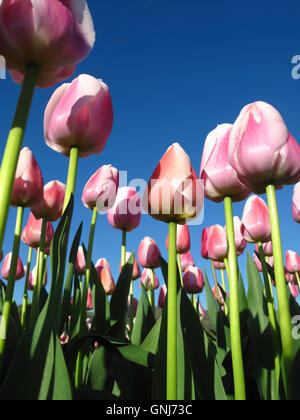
(79, 114)
(28, 184)
(126, 212)
(267, 248)
(193, 281)
(183, 244)
(186, 260)
(219, 265)
(296, 203)
(89, 303)
(31, 234)
(51, 206)
(135, 306)
(146, 279)
(149, 253)
(204, 250)
(32, 279)
(136, 272)
(101, 189)
(174, 193)
(80, 264)
(256, 221)
(292, 262)
(162, 296)
(261, 149)
(240, 242)
(217, 245)
(107, 280)
(294, 290)
(102, 263)
(219, 177)
(6, 268)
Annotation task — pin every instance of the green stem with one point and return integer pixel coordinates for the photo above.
(235, 329)
(282, 297)
(180, 268)
(131, 315)
(25, 295)
(152, 292)
(172, 316)
(72, 174)
(123, 250)
(272, 315)
(10, 285)
(79, 364)
(298, 279)
(224, 288)
(34, 313)
(215, 280)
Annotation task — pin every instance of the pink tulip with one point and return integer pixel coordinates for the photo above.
(204, 250)
(31, 234)
(219, 265)
(218, 295)
(174, 193)
(217, 243)
(240, 242)
(64, 339)
(146, 279)
(89, 304)
(183, 239)
(294, 290)
(79, 114)
(80, 264)
(6, 268)
(261, 149)
(101, 189)
(219, 177)
(126, 212)
(296, 203)
(107, 281)
(256, 221)
(102, 263)
(193, 281)
(267, 248)
(136, 273)
(186, 260)
(135, 306)
(259, 265)
(32, 279)
(292, 261)
(51, 206)
(290, 277)
(162, 296)
(149, 253)
(52, 34)
(28, 184)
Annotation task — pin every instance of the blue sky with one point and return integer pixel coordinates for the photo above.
(175, 69)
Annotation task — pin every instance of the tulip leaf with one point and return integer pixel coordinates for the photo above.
(151, 341)
(101, 321)
(144, 320)
(98, 374)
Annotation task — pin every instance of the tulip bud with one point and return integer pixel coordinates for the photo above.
(79, 115)
(28, 184)
(267, 248)
(135, 306)
(294, 290)
(193, 281)
(126, 212)
(162, 296)
(256, 220)
(204, 250)
(146, 279)
(219, 265)
(149, 253)
(51, 206)
(80, 264)
(89, 304)
(186, 260)
(32, 279)
(136, 273)
(258, 263)
(183, 244)
(219, 177)
(292, 262)
(240, 242)
(107, 281)
(31, 234)
(6, 268)
(174, 193)
(296, 203)
(217, 245)
(55, 35)
(102, 263)
(261, 149)
(101, 189)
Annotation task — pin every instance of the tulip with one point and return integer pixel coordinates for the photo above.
(183, 239)
(296, 203)
(107, 281)
(146, 279)
(256, 220)
(52, 202)
(149, 253)
(80, 264)
(135, 303)
(258, 262)
(294, 290)
(204, 250)
(89, 303)
(7, 265)
(186, 260)
(217, 243)
(162, 296)
(219, 265)
(219, 177)
(28, 186)
(292, 262)
(31, 234)
(32, 279)
(193, 281)
(218, 295)
(136, 272)
(267, 248)
(102, 263)
(240, 242)
(101, 189)
(52, 35)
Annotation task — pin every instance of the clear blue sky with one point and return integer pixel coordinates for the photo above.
(176, 69)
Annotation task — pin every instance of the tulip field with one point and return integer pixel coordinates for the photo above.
(80, 333)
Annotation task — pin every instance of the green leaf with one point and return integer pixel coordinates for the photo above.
(101, 321)
(144, 320)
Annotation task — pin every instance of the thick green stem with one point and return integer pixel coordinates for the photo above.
(172, 316)
(272, 315)
(282, 297)
(79, 365)
(10, 285)
(180, 268)
(25, 294)
(72, 174)
(14, 145)
(235, 329)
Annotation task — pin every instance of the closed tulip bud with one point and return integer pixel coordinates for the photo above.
(51, 206)
(146, 279)
(136, 272)
(28, 184)
(219, 265)
(204, 250)
(256, 220)
(294, 290)
(101, 189)
(51, 34)
(240, 242)
(102, 263)
(149, 253)
(107, 281)
(89, 303)
(126, 212)
(296, 203)
(219, 177)
(135, 306)
(79, 114)
(32, 279)
(174, 193)
(6, 268)
(270, 262)
(162, 296)
(193, 281)
(261, 149)
(186, 260)
(80, 264)
(292, 262)
(217, 243)
(267, 248)
(31, 234)
(183, 244)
